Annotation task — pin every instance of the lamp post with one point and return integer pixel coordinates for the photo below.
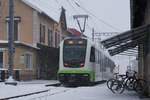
(10, 79)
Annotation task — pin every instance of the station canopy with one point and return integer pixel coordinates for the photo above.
(126, 40)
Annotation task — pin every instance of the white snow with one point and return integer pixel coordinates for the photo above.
(99, 92)
(3, 41)
(22, 88)
(10, 90)
(18, 42)
(48, 7)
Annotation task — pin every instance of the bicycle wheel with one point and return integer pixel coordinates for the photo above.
(117, 87)
(130, 83)
(109, 83)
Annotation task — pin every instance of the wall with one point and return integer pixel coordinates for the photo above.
(25, 26)
(19, 63)
(147, 13)
(147, 44)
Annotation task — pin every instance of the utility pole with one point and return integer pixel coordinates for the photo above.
(10, 79)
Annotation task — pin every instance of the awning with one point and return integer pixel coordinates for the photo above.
(125, 40)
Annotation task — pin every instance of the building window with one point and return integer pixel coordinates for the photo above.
(28, 60)
(16, 27)
(56, 39)
(50, 38)
(0, 9)
(42, 33)
(1, 59)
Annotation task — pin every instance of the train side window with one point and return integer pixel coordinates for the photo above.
(92, 54)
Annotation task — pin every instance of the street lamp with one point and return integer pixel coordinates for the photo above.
(10, 79)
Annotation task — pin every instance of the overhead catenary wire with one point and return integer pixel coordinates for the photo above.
(47, 5)
(70, 4)
(74, 9)
(104, 22)
(58, 3)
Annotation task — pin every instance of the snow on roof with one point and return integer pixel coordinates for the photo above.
(48, 7)
(3, 41)
(19, 42)
(74, 31)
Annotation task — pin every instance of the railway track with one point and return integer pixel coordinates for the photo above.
(33, 93)
(42, 95)
(53, 89)
(23, 95)
(52, 92)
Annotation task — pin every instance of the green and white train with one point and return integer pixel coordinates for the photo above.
(83, 61)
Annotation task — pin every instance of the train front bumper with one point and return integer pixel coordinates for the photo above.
(73, 78)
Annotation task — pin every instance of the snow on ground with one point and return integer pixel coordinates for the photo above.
(98, 92)
(23, 88)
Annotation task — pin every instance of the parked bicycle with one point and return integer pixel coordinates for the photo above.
(115, 84)
(129, 81)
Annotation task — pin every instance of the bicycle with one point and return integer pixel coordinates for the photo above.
(116, 85)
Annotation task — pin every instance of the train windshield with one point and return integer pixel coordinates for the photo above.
(74, 52)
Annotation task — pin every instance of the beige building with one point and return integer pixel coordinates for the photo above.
(32, 26)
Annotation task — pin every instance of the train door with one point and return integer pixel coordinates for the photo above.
(102, 65)
(1, 59)
(97, 69)
(92, 59)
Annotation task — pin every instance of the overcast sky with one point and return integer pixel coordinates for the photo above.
(104, 15)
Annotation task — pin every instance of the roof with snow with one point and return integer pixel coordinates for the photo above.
(73, 32)
(48, 7)
(4, 43)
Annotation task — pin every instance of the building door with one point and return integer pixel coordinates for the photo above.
(1, 59)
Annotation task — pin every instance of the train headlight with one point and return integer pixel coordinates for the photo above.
(65, 64)
(80, 42)
(70, 42)
(82, 65)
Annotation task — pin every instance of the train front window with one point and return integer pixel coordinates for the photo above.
(74, 53)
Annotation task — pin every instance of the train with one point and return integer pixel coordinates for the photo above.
(82, 61)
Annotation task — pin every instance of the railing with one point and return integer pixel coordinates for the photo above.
(4, 74)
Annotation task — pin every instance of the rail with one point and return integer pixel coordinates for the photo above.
(28, 94)
(33, 93)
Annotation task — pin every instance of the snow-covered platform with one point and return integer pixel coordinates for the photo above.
(98, 92)
(24, 87)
